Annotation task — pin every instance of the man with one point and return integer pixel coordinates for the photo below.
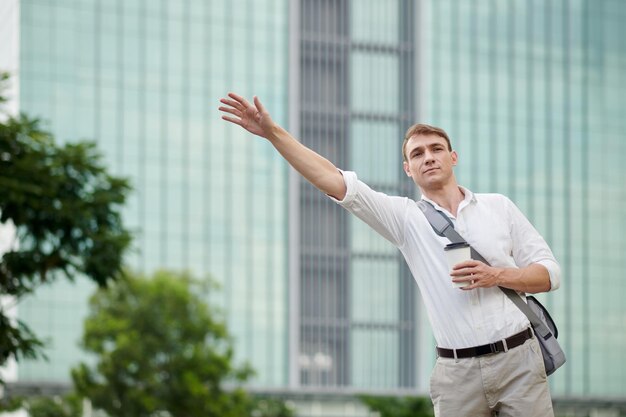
(465, 380)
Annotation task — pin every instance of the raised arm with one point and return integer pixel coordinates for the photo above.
(318, 170)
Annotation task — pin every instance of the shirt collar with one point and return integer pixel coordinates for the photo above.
(470, 197)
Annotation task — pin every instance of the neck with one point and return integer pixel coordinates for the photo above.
(449, 197)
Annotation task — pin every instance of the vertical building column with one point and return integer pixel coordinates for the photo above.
(408, 349)
(294, 197)
(422, 58)
(324, 248)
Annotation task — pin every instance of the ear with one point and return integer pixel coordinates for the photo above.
(455, 158)
(406, 168)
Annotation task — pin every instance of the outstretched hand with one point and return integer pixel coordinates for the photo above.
(252, 117)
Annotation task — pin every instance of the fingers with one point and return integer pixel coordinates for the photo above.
(461, 271)
(470, 287)
(467, 278)
(231, 111)
(466, 264)
(232, 120)
(240, 107)
(233, 103)
(258, 105)
(240, 100)
(241, 103)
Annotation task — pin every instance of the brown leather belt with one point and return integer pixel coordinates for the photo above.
(499, 346)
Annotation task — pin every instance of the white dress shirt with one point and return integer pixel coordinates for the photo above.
(492, 224)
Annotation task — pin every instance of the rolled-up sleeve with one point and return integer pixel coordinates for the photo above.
(385, 214)
(555, 272)
(529, 247)
(351, 180)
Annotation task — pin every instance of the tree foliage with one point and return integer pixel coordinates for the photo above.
(270, 407)
(65, 207)
(68, 405)
(399, 407)
(159, 350)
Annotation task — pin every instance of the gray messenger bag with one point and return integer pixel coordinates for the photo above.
(542, 323)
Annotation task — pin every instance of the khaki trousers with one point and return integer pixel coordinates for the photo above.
(506, 384)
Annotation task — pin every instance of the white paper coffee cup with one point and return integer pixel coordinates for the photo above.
(455, 254)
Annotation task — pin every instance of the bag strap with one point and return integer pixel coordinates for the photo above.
(443, 226)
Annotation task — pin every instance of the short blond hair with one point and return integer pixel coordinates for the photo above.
(423, 129)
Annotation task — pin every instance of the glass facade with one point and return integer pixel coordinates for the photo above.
(533, 97)
(357, 311)
(143, 79)
(530, 92)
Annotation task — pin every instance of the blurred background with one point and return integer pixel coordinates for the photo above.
(531, 92)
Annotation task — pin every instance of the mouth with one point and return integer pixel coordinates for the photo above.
(430, 170)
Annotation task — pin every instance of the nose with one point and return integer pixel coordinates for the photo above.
(428, 157)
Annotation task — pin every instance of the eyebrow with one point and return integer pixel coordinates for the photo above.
(430, 145)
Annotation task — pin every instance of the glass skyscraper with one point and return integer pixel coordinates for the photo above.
(357, 299)
(531, 93)
(142, 79)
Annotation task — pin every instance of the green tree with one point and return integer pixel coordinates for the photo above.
(65, 207)
(160, 350)
(399, 407)
(270, 407)
(55, 406)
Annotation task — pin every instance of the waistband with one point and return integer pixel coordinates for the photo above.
(499, 346)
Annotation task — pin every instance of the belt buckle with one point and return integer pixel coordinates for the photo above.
(493, 347)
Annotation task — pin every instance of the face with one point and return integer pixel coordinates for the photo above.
(429, 162)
